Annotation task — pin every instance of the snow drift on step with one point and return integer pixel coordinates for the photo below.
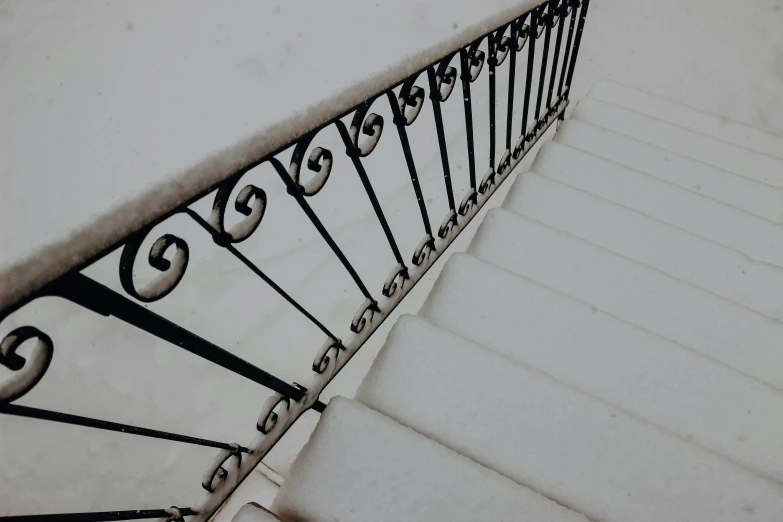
(252, 512)
(571, 447)
(747, 163)
(687, 117)
(640, 295)
(641, 373)
(751, 196)
(360, 465)
(680, 254)
(760, 239)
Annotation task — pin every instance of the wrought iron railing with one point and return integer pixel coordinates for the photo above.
(558, 22)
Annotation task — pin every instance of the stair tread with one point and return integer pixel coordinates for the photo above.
(676, 252)
(573, 448)
(640, 372)
(742, 161)
(747, 194)
(758, 238)
(253, 512)
(688, 117)
(360, 465)
(718, 328)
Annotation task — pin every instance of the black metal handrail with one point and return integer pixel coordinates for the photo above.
(169, 254)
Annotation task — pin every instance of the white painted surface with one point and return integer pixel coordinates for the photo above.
(360, 465)
(687, 117)
(746, 163)
(761, 240)
(641, 373)
(704, 322)
(678, 253)
(751, 196)
(579, 451)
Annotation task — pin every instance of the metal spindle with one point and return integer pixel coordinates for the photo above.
(559, 11)
(353, 152)
(77, 420)
(465, 76)
(492, 63)
(220, 241)
(574, 4)
(531, 57)
(104, 516)
(511, 82)
(580, 28)
(437, 98)
(92, 295)
(401, 122)
(297, 194)
(544, 55)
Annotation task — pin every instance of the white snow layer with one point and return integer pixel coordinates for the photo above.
(684, 116)
(568, 446)
(254, 513)
(637, 371)
(747, 163)
(758, 238)
(643, 296)
(751, 196)
(360, 465)
(109, 117)
(671, 371)
(703, 263)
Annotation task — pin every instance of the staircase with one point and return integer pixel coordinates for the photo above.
(608, 349)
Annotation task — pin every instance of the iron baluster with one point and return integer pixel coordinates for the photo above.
(220, 240)
(401, 121)
(355, 154)
(299, 196)
(492, 63)
(544, 19)
(440, 92)
(555, 18)
(77, 420)
(573, 6)
(577, 40)
(92, 295)
(511, 82)
(531, 57)
(465, 77)
(170, 515)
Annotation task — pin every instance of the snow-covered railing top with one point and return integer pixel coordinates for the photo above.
(527, 54)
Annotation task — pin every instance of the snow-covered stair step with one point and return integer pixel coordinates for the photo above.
(253, 512)
(641, 373)
(706, 264)
(742, 161)
(362, 466)
(751, 196)
(760, 239)
(690, 118)
(569, 446)
(699, 320)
